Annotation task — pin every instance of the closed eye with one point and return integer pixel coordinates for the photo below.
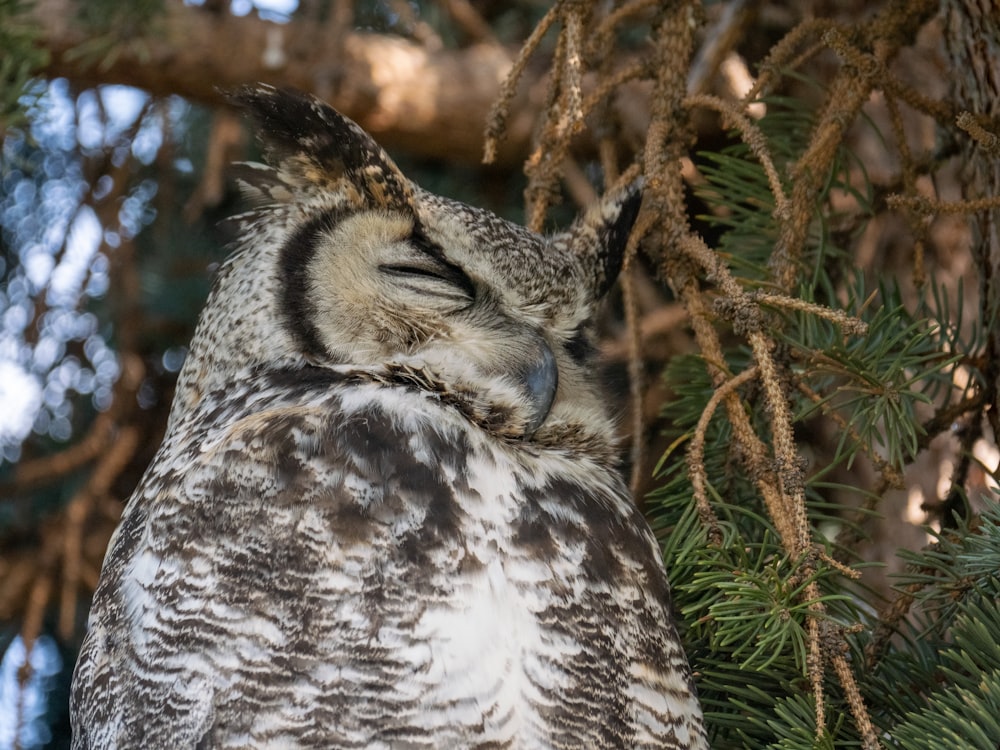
(431, 264)
(402, 269)
(433, 277)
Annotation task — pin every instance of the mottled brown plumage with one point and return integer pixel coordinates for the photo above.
(386, 512)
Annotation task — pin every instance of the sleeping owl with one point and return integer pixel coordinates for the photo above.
(386, 512)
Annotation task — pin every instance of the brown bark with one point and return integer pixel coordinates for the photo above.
(972, 37)
(429, 102)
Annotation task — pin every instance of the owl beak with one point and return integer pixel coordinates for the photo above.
(540, 378)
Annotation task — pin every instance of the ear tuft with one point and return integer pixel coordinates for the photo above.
(601, 234)
(314, 146)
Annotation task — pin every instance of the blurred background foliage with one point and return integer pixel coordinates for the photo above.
(882, 329)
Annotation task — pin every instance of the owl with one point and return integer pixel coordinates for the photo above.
(387, 510)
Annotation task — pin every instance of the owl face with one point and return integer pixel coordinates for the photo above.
(365, 270)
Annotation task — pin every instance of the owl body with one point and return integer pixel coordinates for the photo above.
(386, 522)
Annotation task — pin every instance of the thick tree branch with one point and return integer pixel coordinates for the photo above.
(428, 102)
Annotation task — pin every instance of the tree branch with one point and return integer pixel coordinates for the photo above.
(429, 102)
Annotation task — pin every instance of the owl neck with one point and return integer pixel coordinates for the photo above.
(590, 435)
(562, 434)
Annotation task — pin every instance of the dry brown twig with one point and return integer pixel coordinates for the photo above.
(112, 463)
(781, 56)
(929, 206)
(988, 140)
(696, 453)
(501, 109)
(753, 138)
(909, 177)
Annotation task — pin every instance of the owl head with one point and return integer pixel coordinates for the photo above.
(344, 263)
